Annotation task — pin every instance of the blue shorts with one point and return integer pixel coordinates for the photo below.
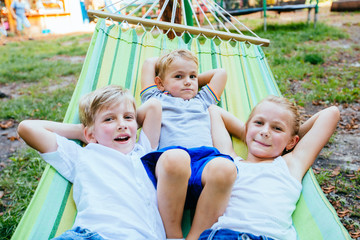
(79, 233)
(199, 158)
(227, 234)
(22, 21)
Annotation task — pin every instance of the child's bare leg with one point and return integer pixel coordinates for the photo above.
(217, 178)
(173, 173)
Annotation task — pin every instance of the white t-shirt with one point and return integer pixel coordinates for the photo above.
(112, 192)
(262, 201)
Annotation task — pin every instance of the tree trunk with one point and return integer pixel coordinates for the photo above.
(166, 17)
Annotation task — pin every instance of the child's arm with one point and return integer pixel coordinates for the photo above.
(12, 11)
(149, 117)
(223, 123)
(39, 134)
(216, 78)
(148, 72)
(314, 134)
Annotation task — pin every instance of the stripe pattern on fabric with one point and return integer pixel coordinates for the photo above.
(116, 57)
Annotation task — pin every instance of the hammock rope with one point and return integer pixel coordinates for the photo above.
(219, 15)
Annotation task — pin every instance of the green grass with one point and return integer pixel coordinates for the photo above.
(297, 53)
(37, 66)
(31, 61)
(19, 181)
(345, 187)
(38, 106)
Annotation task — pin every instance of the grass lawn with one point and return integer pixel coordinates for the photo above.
(37, 66)
(295, 55)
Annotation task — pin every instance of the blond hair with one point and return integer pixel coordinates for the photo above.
(100, 99)
(166, 59)
(290, 106)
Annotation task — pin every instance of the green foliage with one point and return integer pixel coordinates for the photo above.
(313, 58)
(18, 181)
(323, 177)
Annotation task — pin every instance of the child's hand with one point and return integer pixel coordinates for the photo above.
(216, 78)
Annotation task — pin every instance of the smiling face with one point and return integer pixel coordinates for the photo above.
(269, 132)
(114, 127)
(180, 79)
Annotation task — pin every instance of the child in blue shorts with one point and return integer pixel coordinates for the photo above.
(18, 9)
(187, 170)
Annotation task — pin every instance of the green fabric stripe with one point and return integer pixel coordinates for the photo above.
(131, 61)
(242, 88)
(247, 76)
(109, 64)
(100, 59)
(115, 57)
(249, 80)
(137, 76)
(61, 210)
(73, 102)
(304, 223)
(270, 89)
(27, 222)
(88, 79)
(213, 55)
(317, 203)
(46, 220)
(69, 215)
(236, 90)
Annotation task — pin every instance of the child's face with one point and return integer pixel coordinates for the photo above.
(115, 127)
(180, 79)
(269, 132)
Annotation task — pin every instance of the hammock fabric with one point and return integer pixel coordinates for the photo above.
(116, 57)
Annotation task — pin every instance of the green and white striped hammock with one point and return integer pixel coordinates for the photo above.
(116, 56)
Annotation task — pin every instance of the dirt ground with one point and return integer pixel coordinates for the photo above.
(345, 150)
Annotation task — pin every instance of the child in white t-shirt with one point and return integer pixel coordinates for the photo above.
(280, 152)
(113, 195)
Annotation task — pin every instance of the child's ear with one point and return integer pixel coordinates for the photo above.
(89, 135)
(294, 140)
(159, 83)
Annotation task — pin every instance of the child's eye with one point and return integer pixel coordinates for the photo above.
(192, 76)
(258, 122)
(178, 76)
(108, 119)
(129, 117)
(278, 129)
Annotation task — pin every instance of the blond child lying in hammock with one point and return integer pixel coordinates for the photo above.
(268, 185)
(113, 195)
(186, 169)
